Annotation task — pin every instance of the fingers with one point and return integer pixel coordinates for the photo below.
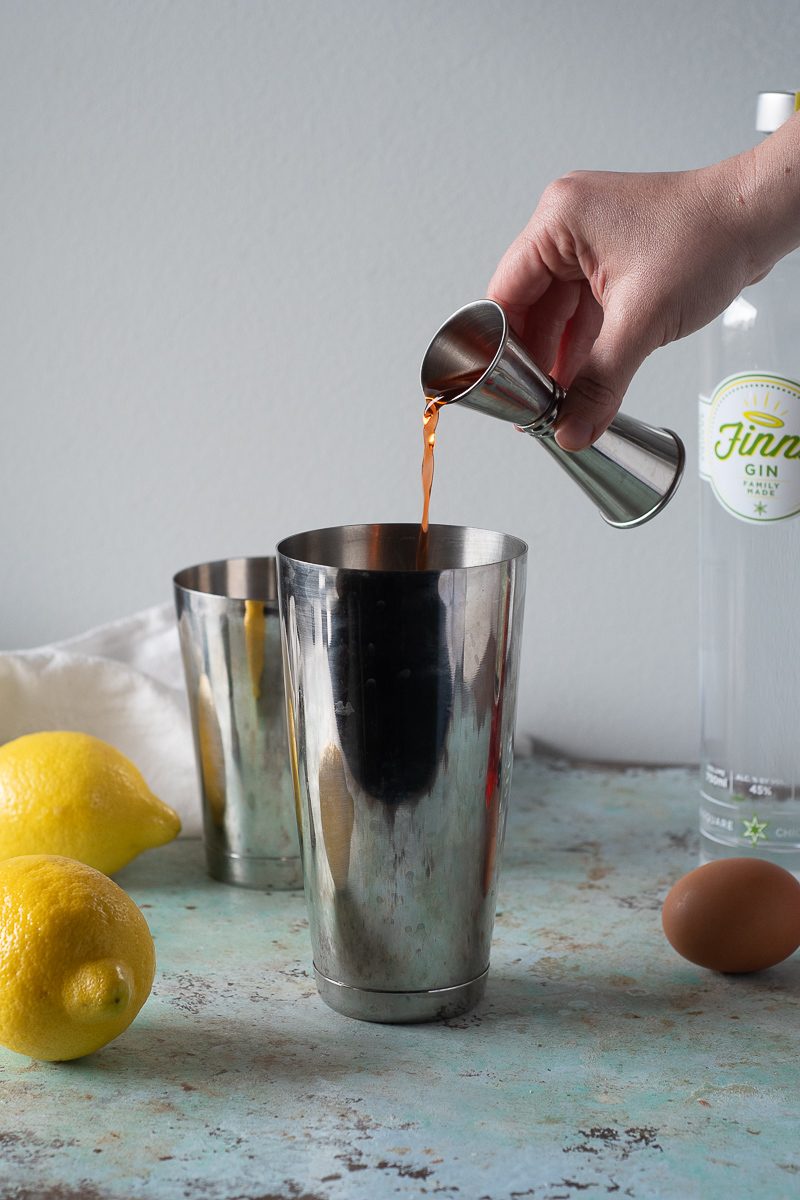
(547, 320)
(520, 280)
(597, 390)
(578, 337)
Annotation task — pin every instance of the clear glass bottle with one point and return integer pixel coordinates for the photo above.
(750, 566)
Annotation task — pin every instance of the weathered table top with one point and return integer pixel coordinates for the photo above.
(598, 1064)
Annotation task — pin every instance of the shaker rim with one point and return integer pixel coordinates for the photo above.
(497, 547)
(224, 578)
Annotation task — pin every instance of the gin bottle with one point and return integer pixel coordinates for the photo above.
(750, 565)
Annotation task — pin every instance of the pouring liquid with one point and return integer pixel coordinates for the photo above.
(430, 419)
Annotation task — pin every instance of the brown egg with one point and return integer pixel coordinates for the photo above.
(734, 915)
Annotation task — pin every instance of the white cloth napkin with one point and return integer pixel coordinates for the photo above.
(122, 682)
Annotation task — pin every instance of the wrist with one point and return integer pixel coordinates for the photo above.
(732, 194)
(774, 194)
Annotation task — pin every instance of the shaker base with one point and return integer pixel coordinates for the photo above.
(244, 870)
(367, 1004)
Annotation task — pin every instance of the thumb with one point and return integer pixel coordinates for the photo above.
(597, 390)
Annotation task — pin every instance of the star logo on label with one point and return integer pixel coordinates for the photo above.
(760, 508)
(754, 830)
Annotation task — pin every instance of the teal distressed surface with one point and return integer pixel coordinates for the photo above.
(599, 1064)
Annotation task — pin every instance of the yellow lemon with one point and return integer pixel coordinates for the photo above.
(73, 794)
(76, 958)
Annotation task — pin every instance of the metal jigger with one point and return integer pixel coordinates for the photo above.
(475, 360)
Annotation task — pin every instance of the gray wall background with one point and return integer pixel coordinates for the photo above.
(228, 231)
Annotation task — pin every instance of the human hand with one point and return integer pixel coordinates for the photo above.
(611, 266)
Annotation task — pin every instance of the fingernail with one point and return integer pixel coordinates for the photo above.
(574, 433)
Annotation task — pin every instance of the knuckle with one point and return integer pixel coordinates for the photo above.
(558, 224)
(562, 194)
(596, 394)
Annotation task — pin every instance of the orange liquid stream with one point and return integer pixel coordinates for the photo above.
(430, 419)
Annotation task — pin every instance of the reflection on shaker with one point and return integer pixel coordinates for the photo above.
(337, 814)
(212, 758)
(498, 754)
(391, 683)
(254, 643)
(293, 765)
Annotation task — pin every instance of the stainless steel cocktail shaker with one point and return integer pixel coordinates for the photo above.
(401, 690)
(231, 645)
(475, 361)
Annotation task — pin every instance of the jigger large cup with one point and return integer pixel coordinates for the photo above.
(230, 640)
(401, 689)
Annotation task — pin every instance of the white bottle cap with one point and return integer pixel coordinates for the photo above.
(773, 108)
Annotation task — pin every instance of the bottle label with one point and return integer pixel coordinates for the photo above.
(750, 446)
(748, 811)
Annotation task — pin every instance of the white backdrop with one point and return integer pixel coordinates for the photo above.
(228, 231)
